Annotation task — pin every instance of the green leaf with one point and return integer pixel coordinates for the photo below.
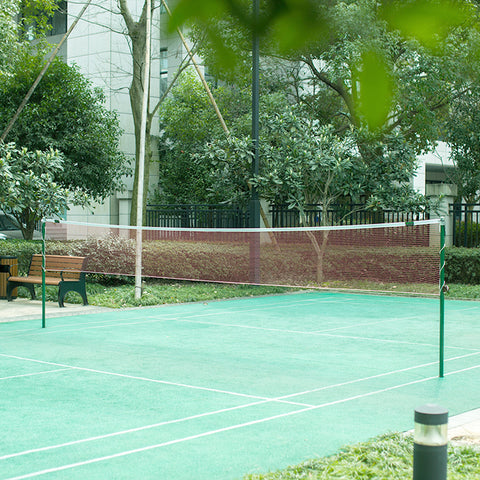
(202, 10)
(375, 90)
(428, 21)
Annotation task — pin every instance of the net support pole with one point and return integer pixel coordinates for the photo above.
(254, 199)
(142, 153)
(44, 289)
(442, 299)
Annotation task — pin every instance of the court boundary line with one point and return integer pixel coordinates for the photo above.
(153, 319)
(226, 429)
(146, 379)
(237, 407)
(189, 319)
(35, 373)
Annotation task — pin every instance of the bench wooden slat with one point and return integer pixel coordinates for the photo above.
(35, 280)
(55, 265)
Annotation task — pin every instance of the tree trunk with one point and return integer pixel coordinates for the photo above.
(137, 34)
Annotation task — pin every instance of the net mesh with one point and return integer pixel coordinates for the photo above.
(380, 257)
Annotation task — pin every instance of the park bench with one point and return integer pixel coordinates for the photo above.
(66, 272)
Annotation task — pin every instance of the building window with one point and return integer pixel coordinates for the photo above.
(163, 70)
(59, 20)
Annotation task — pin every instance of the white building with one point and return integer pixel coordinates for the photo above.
(100, 46)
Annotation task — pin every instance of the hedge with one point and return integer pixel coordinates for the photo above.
(22, 249)
(462, 265)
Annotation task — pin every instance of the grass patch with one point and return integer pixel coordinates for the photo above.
(158, 293)
(388, 457)
(465, 292)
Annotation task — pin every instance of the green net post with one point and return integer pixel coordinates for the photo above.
(442, 297)
(43, 274)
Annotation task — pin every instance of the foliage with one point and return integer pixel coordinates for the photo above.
(379, 84)
(188, 123)
(31, 192)
(23, 250)
(467, 234)
(388, 457)
(462, 265)
(305, 162)
(358, 30)
(159, 293)
(16, 34)
(67, 114)
(302, 161)
(463, 137)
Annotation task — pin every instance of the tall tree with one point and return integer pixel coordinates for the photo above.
(367, 71)
(65, 113)
(30, 191)
(462, 133)
(300, 25)
(135, 31)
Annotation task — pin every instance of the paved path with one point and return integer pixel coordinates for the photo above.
(23, 309)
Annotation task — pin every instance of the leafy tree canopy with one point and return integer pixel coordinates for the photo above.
(293, 27)
(462, 134)
(29, 191)
(67, 114)
(20, 22)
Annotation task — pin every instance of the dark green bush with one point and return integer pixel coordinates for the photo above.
(22, 249)
(462, 265)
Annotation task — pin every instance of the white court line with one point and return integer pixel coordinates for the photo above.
(238, 407)
(225, 429)
(151, 380)
(189, 319)
(319, 333)
(36, 373)
(154, 319)
(132, 430)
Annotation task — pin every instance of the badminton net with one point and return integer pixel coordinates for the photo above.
(401, 256)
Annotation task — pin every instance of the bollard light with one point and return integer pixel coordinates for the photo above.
(430, 443)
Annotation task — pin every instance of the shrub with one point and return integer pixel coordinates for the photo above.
(23, 250)
(462, 265)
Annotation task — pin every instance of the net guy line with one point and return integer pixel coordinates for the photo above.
(231, 427)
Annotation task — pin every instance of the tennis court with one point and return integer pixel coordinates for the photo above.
(220, 389)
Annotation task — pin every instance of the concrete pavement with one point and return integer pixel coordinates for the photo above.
(24, 309)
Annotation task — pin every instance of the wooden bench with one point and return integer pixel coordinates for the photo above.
(66, 272)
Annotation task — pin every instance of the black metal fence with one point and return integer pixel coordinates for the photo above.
(348, 214)
(466, 224)
(232, 216)
(197, 216)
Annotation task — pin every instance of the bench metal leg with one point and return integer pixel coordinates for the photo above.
(12, 285)
(65, 287)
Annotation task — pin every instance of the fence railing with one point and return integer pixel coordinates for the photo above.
(231, 216)
(466, 224)
(196, 216)
(349, 214)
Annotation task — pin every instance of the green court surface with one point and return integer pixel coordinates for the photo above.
(220, 389)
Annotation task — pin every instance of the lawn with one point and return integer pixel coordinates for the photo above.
(389, 457)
